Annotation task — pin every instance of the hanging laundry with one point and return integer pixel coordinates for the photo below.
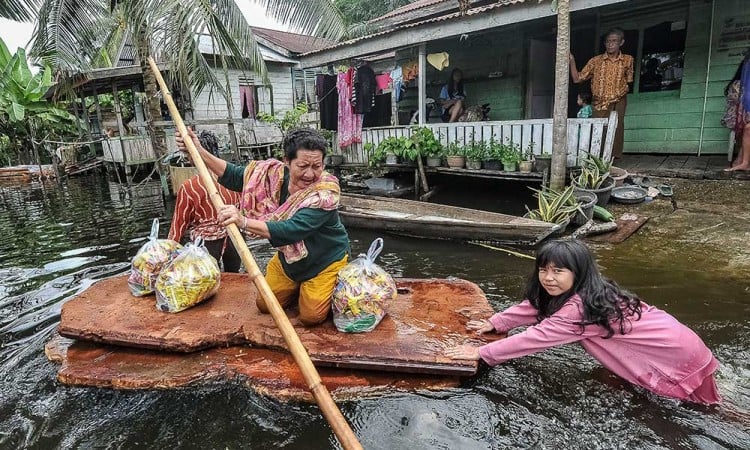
(397, 78)
(349, 124)
(363, 89)
(247, 98)
(383, 81)
(411, 71)
(380, 116)
(328, 101)
(439, 60)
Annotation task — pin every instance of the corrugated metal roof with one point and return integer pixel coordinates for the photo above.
(408, 8)
(205, 45)
(295, 43)
(451, 16)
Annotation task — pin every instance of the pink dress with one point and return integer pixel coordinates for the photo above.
(350, 124)
(658, 352)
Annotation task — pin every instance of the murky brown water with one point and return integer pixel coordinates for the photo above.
(56, 240)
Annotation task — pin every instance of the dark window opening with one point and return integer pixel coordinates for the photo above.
(663, 61)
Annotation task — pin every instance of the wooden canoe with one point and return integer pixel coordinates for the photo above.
(433, 221)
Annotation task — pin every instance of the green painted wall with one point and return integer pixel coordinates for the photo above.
(670, 122)
(478, 56)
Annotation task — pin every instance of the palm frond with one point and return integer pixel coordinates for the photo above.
(316, 17)
(19, 10)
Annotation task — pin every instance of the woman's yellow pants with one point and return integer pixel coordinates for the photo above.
(314, 294)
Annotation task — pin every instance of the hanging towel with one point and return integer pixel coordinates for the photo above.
(383, 81)
(438, 60)
(247, 98)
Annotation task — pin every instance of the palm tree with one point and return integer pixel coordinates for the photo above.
(79, 35)
(20, 10)
(560, 116)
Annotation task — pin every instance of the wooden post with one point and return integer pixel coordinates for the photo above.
(331, 412)
(121, 130)
(560, 118)
(422, 77)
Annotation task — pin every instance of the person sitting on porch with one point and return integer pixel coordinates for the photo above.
(293, 204)
(452, 97)
(610, 74)
(737, 116)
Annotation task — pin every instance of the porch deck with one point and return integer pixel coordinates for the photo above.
(681, 166)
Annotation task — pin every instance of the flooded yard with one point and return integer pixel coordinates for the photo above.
(692, 258)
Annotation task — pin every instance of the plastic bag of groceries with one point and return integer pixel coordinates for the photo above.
(190, 278)
(148, 262)
(362, 293)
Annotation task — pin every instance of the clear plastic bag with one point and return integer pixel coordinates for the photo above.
(362, 293)
(153, 256)
(190, 278)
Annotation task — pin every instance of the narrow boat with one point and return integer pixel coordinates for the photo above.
(433, 221)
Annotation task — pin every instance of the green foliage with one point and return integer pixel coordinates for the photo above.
(511, 154)
(290, 120)
(476, 151)
(24, 112)
(599, 163)
(590, 177)
(426, 143)
(356, 13)
(553, 206)
(454, 149)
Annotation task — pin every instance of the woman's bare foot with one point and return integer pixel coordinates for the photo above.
(741, 167)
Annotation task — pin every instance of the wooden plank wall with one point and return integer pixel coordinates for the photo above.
(670, 121)
(584, 136)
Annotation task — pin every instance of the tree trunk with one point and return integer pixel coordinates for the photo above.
(158, 137)
(560, 117)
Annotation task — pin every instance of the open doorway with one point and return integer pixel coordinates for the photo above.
(540, 89)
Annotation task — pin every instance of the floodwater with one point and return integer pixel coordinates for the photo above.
(55, 240)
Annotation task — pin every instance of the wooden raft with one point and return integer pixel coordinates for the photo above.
(426, 317)
(269, 372)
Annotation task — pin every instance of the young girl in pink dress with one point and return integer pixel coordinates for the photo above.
(568, 300)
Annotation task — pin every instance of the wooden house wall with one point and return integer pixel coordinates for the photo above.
(656, 122)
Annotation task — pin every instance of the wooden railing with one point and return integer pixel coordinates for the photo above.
(129, 150)
(595, 136)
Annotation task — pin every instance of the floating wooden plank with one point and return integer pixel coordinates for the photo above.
(426, 317)
(627, 225)
(268, 372)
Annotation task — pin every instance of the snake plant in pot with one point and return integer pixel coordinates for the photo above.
(591, 179)
(553, 206)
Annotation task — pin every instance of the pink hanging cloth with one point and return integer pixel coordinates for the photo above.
(350, 124)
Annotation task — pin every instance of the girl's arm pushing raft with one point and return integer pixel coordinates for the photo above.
(519, 315)
(560, 328)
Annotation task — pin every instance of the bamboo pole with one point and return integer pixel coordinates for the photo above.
(333, 415)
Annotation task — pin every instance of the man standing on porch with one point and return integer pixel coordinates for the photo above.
(610, 73)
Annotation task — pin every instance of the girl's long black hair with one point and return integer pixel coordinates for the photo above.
(604, 303)
(453, 87)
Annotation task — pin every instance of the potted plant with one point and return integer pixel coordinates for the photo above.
(511, 157)
(493, 156)
(386, 151)
(428, 146)
(553, 206)
(586, 202)
(455, 155)
(590, 179)
(407, 151)
(543, 162)
(474, 154)
(527, 162)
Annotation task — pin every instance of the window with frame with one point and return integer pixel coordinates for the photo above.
(254, 98)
